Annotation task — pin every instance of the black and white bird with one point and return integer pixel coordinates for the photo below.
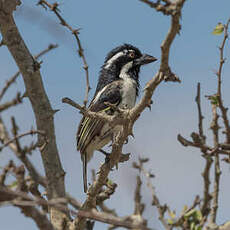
(118, 84)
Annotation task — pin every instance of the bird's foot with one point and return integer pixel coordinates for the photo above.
(107, 155)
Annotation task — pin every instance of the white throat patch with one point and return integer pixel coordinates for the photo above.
(124, 70)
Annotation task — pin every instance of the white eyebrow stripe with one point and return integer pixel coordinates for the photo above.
(113, 58)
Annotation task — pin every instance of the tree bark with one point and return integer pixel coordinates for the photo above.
(40, 103)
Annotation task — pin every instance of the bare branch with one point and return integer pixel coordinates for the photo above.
(40, 104)
(31, 132)
(14, 77)
(110, 219)
(215, 129)
(15, 101)
(54, 7)
(139, 207)
(205, 208)
(219, 89)
(155, 201)
(200, 116)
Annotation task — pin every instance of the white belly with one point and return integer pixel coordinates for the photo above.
(129, 94)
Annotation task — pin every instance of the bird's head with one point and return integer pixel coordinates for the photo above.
(123, 59)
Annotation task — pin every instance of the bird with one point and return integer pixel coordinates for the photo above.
(118, 84)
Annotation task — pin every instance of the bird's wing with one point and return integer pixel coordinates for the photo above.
(90, 127)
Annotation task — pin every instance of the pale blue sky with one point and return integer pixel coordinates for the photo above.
(106, 24)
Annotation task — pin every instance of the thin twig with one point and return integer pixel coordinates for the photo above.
(200, 116)
(54, 7)
(17, 100)
(219, 89)
(14, 77)
(155, 200)
(31, 132)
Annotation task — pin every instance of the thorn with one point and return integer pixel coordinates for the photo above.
(132, 135)
(55, 111)
(25, 95)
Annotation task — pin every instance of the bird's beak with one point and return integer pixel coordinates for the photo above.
(144, 59)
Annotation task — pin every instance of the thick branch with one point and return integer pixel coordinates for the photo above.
(215, 195)
(40, 103)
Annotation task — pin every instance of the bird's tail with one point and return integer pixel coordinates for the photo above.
(85, 171)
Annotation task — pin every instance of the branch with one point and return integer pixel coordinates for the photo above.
(17, 100)
(31, 132)
(54, 7)
(215, 129)
(200, 116)
(110, 219)
(14, 77)
(163, 74)
(205, 208)
(155, 201)
(40, 104)
(8, 196)
(219, 89)
(139, 207)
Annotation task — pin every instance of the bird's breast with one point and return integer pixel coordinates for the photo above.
(128, 94)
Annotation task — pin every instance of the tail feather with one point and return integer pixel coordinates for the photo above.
(85, 171)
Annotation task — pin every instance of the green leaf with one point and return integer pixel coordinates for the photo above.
(172, 214)
(190, 213)
(198, 215)
(198, 228)
(218, 29)
(192, 226)
(13, 184)
(170, 221)
(110, 182)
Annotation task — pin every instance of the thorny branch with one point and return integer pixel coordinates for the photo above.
(15, 101)
(54, 7)
(164, 73)
(20, 153)
(209, 205)
(14, 77)
(219, 88)
(31, 132)
(155, 200)
(43, 111)
(10, 197)
(215, 129)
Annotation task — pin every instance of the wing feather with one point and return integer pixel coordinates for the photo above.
(90, 127)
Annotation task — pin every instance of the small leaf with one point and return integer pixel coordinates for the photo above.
(110, 182)
(172, 214)
(190, 213)
(192, 226)
(13, 184)
(198, 215)
(170, 221)
(185, 208)
(218, 29)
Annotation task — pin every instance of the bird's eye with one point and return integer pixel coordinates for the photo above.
(131, 54)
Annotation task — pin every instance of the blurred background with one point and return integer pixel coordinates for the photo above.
(104, 25)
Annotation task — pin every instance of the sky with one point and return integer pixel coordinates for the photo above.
(104, 25)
